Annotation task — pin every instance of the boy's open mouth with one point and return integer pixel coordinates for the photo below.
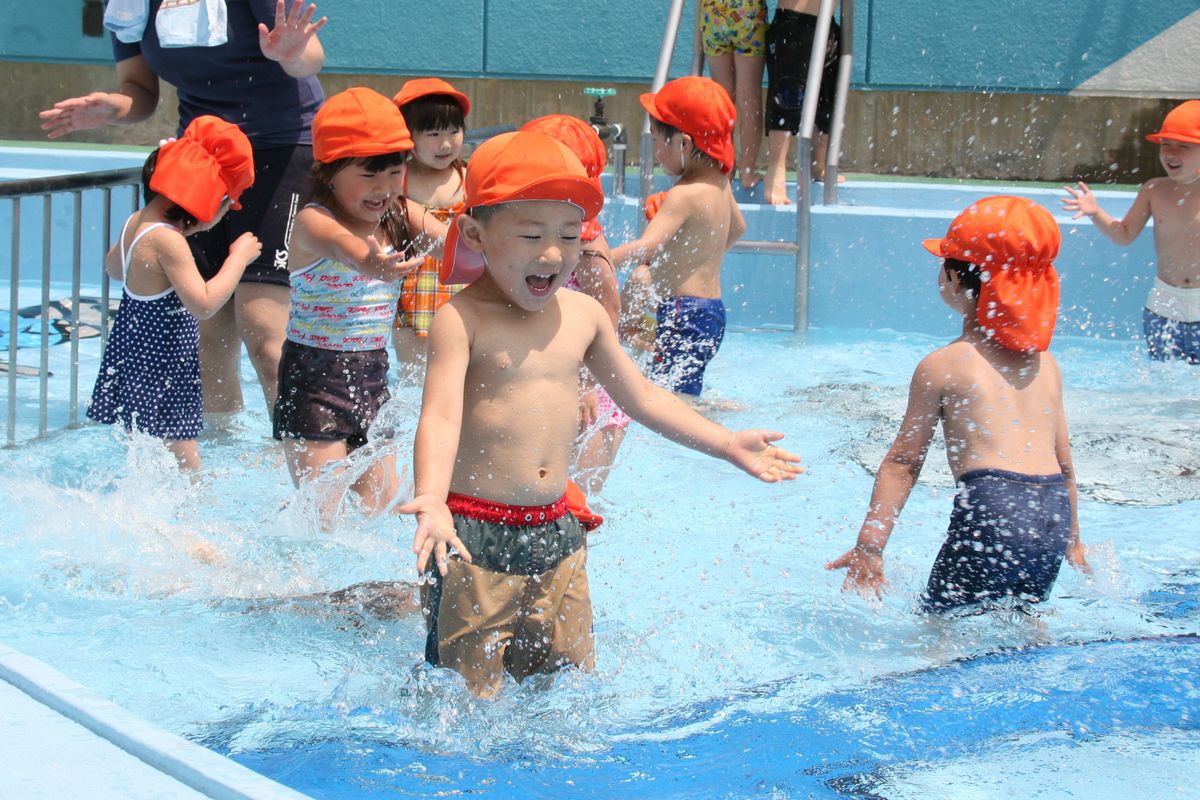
(539, 284)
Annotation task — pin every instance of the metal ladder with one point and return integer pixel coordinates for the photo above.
(801, 248)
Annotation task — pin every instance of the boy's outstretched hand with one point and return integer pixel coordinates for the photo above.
(753, 452)
(864, 571)
(435, 532)
(1081, 201)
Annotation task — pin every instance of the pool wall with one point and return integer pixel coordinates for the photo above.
(868, 269)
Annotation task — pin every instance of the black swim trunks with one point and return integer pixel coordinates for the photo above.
(789, 44)
(1008, 535)
(268, 208)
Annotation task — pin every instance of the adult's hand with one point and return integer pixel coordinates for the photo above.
(293, 41)
(80, 113)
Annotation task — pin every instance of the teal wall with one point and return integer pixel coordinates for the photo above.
(1018, 45)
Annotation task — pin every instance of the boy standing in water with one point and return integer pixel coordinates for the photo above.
(499, 417)
(998, 395)
(692, 122)
(1171, 318)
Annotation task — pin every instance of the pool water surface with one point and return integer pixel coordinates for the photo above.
(729, 663)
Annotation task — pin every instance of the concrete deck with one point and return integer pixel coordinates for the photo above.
(63, 740)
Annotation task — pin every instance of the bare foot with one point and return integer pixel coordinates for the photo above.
(776, 194)
(750, 178)
(821, 178)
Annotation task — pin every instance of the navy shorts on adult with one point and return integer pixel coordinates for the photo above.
(1008, 535)
(789, 45)
(268, 208)
(690, 330)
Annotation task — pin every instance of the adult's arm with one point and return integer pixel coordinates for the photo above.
(134, 99)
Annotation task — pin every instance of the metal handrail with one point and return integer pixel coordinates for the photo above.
(76, 184)
(840, 101)
(68, 183)
(665, 53)
(808, 119)
(802, 247)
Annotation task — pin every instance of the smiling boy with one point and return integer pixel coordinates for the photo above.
(1171, 319)
(499, 417)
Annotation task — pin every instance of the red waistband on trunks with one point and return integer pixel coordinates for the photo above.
(489, 511)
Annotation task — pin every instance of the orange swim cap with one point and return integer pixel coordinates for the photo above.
(1182, 124)
(517, 166)
(585, 143)
(358, 123)
(701, 108)
(211, 161)
(1014, 241)
(424, 87)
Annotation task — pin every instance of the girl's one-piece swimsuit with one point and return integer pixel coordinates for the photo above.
(149, 377)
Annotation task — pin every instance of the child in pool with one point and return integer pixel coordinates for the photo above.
(348, 254)
(603, 423)
(436, 114)
(150, 374)
(1171, 318)
(733, 35)
(499, 417)
(998, 396)
(692, 119)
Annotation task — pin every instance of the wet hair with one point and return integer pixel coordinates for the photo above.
(970, 277)
(174, 213)
(433, 112)
(320, 190)
(667, 131)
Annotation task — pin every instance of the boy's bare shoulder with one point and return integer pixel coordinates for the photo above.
(949, 363)
(578, 303)
(694, 192)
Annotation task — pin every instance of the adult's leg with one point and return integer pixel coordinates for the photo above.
(748, 98)
(262, 315)
(775, 191)
(220, 351)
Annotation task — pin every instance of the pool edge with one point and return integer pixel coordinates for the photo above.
(194, 766)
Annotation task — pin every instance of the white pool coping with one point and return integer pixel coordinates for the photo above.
(61, 739)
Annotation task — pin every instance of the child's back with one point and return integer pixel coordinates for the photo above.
(689, 264)
(999, 407)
